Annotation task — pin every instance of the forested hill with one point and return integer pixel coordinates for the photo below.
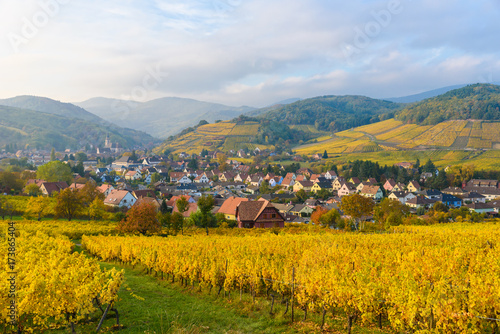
(334, 113)
(479, 101)
(36, 129)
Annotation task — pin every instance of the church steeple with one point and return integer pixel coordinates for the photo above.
(107, 143)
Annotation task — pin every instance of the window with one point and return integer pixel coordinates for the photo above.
(273, 215)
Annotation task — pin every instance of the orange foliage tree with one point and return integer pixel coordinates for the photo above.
(141, 218)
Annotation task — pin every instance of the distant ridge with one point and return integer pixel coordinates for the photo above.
(161, 117)
(427, 94)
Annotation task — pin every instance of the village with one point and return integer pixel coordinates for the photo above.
(259, 195)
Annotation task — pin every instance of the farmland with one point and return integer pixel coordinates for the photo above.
(394, 135)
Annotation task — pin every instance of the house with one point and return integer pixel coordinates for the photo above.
(228, 208)
(355, 180)
(405, 165)
(331, 175)
(480, 208)
(261, 214)
(283, 208)
(482, 183)
(275, 181)
(176, 176)
(414, 186)
(144, 193)
(241, 177)
(288, 180)
(314, 177)
(302, 185)
(49, 188)
(202, 178)
(305, 171)
(402, 196)
(320, 186)
(455, 191)
(256, 180)
(451, 201)
(474, 197)
(398, 187)
(374, 192)
(120, 198)
(184, 180)
(346, 189)
(337, 183)
(433, 194)
(192, 207)
(133, 175)
(489, 192)
(105, 189)
(389, 185)
(420, 202)
(362, 185)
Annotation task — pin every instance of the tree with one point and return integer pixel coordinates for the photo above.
(390, 212)
(356, 206)
(89, 193)
(164, 208)
(55, 171)
(37, 206)
(325, 155)
(205, 205)
(32, 190)
(68, 203)
(331, 218)
(193, 163)
(264, 187)
(155, 178)
(96, 209)
(53, 155)
(316, 215)
(80, 157)
(429, 166)
(182, 205)
(301, 195)
(141, 218)
(221, 160)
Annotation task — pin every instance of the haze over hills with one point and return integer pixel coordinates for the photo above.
(49, 106)
(44, 123)
(160, 117)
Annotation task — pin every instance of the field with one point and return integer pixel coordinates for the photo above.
(443, 276)
(442, 268)
(391, 140)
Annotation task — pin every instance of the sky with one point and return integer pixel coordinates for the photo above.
(244, 52)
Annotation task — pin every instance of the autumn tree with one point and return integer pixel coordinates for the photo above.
(68, 204)
(316, 215)
(182, 205)
(357, 207)
(221, 160)
(37, 206)
(141, 218)
(55, 171)
(96, 209)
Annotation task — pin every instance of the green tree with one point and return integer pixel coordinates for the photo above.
(53, 155)
(325, 155)
(32, 190)
(55, 171)
(301, 195)
(429, 166)
(80, 157)
(331, 218)
(155, 178)
(193, 163)
(182, 205)
(390, 212)
(205, 205)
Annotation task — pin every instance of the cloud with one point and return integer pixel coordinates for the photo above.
(250, 52)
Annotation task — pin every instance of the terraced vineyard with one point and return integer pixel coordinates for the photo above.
(394, 135)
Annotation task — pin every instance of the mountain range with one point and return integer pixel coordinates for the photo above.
(162, 117)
